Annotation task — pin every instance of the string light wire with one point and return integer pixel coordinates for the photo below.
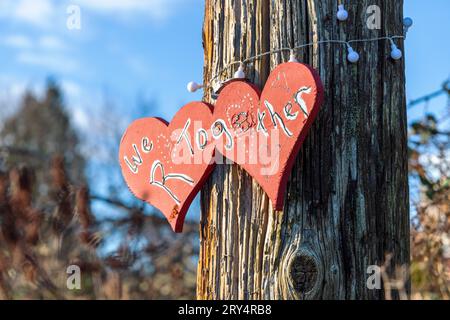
(292, 51)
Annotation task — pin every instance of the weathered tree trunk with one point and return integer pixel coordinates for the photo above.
(346, 205)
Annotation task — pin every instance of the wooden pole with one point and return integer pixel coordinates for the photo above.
(346, 205)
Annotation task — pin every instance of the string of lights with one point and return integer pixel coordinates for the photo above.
(352, 55)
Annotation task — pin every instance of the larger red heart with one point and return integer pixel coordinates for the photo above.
(263, 132)
(166, 164)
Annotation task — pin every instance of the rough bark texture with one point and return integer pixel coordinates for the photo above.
(347, 199)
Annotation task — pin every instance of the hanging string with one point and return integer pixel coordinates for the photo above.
(395, 54)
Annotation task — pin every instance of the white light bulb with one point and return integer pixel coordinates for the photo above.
(193, 86)
(240, 74)
(396, 53)
(292, 57)
(408, 22)
(342, 14)
(352, 56)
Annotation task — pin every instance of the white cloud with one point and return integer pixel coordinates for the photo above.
(71, 89)
(11, 87)
(14, 86)
(81, 118)
(44, 13)
(17, 41)
(36, 12)
(49, 42)
(138, 66)
(157, 9)
(53, 62)
(22, 41)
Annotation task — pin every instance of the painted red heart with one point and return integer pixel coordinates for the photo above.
(264, 132)
(166, 164)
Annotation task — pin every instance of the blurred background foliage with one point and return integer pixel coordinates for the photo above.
(48, 219)
(429, 166)
(47, 223)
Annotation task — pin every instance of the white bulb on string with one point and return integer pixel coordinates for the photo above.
(193, 86)
(292, 57)
(352, 56)
(240, 74)
(396, 53)
(342, 14)
(407, 23)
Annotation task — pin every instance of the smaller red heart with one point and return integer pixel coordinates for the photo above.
(264, 132)
(166, 164)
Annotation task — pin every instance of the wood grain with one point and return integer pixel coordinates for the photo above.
(346, 205)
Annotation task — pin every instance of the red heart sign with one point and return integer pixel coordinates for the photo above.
(263, 133)
(166, 164)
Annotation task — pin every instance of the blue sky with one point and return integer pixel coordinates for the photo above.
(427, 51)
(140, 54)
(128, 50)
(140, 51)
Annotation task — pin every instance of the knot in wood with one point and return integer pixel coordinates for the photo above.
(304, 272)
